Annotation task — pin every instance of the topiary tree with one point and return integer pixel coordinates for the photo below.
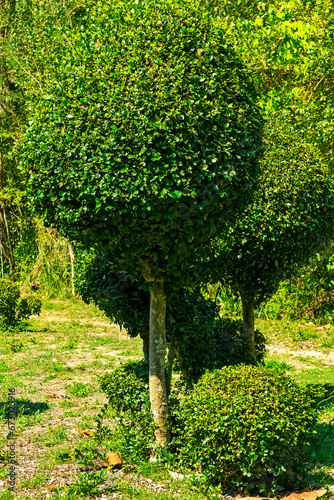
(290, 218)
(147, 135)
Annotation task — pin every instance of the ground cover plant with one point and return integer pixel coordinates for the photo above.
(43, 372)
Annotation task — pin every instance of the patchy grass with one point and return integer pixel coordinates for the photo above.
(297, 335)
(54, 365)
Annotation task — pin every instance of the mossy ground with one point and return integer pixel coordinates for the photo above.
(54, 364)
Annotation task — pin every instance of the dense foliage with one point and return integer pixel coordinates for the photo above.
(121, 298)
(13, 308)
(205, 340)
(309, 294)
(224, 344)
(247, 428)
(288, 47)
(127, 387)
(121, 118)
(290, 218)
(128, 395)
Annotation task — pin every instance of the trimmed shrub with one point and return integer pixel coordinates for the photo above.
(247, 428)
(118, 295)
(12, 308)
(29, 306)
(205, 340)
(127, 388)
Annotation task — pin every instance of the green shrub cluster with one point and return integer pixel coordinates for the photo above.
(127, 389)
(246, 428)
(204, 339)
(119, 296)
(13, 308)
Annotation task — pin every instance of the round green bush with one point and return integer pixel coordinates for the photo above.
(147, 134)
(246, 428)
(118, 295)
(12, 308)
(9, 297)
(29, 306)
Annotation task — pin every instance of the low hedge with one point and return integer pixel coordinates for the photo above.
(247, 428)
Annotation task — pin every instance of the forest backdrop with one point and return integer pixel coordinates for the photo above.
(288, 48)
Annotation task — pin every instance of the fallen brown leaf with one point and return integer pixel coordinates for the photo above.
(50, 487)
(86, 433)
(306, 495)
(113, 459)
(52, 396)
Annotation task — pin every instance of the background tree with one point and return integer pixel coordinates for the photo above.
(288, 47)
(11, 119)
(147, 135)
(290, 218)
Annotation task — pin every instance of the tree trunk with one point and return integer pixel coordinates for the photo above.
(145, 338)
(169, 367)
(71, 253)
(6, 246)
(157, 353)
(248, 324)
(9, 240)
(1, 261)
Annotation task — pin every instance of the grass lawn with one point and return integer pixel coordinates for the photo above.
(54, 366)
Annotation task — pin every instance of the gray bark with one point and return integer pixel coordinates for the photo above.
(71, 253)
(157, 353)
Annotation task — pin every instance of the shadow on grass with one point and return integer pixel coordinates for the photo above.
(22, 407)
(320, 478)
(323, 448)
(321, 393)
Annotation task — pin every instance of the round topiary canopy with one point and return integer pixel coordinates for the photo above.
(147, 131)
(289, 219)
